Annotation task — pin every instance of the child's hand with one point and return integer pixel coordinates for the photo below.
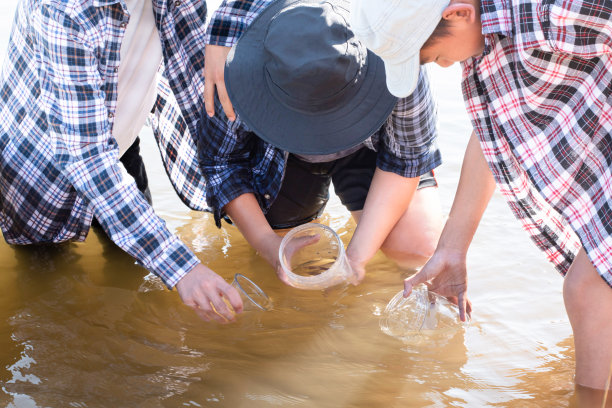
(214, 79)
(294, 246)
(357, 267)
(446, 274)
(268, 250)
(204, 291)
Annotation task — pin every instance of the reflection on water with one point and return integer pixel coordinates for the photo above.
(83, 325)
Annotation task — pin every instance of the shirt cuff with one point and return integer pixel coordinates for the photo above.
(176, 261)
(409, 168)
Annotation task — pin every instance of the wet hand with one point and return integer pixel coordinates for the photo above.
(273, 254)
(357, 267)
(446, 274)
(204, 291)
(214, 80)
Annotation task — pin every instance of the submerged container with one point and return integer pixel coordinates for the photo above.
(420, 313)
(312, 255)
(253, 298)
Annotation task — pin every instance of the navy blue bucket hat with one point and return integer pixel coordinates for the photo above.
(302, 82)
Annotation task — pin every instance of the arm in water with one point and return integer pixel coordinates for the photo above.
(447, 267)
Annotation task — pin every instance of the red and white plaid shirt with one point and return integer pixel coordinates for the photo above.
(540, 102)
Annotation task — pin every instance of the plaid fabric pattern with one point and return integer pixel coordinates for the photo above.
(59, 163)
(235, 161)
(540, 103)
(231, 19)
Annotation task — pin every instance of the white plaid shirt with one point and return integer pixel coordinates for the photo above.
(540, 102)
(59, 163)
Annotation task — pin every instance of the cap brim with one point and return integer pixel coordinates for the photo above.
(297, 131)
(402, 78)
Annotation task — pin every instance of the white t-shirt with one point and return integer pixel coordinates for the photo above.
(141, 54)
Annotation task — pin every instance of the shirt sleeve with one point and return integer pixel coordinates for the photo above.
(225, 150)
(231, 19)
(87, 155)
(408, 141)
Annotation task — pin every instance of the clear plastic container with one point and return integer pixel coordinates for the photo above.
(312, 255)
(253, 298)
(421, 312)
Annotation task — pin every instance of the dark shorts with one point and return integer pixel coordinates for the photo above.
(305, 189)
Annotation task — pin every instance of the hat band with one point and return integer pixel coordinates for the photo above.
(322, 105)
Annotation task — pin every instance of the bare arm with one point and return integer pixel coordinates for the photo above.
(388, 198)
(246, 213)
(447, 267)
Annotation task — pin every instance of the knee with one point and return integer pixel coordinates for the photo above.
(580, 281)
(412, 252)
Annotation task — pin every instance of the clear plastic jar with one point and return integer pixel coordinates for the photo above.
(253, 298)
(312, 255)
(423, 311)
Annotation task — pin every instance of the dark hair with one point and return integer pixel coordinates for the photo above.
(441, 31)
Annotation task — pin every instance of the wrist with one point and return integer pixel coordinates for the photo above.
(356, 256)
(267, 247)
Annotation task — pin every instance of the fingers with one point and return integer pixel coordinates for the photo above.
(209, 99)
(206, 313)
(214, 81)
(221, 308)
(463, 303)
(414, 280)
(205, 292)
(468, 308)
(300, 243)
(225, 101)
(209, 96)
(233, 297)
(282, 276)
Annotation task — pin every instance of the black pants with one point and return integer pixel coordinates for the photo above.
(305, 189)
(134, 165)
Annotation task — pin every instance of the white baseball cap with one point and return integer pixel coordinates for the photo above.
(396, 30)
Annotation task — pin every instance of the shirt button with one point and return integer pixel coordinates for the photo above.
(116, 69)
(177, 3)
(124, 24)
(111, 115)
(267, 196)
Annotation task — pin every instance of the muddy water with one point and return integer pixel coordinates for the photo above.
(82, 326)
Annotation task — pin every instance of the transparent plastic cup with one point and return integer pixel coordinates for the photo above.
(312, 255)
(253, 298)
(421, 312)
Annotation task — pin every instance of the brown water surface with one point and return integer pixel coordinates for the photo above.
(81, 325)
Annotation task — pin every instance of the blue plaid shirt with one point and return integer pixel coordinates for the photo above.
(235, 161)
(59, 163)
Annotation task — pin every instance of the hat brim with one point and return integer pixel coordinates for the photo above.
(402, 78)
(293, 130)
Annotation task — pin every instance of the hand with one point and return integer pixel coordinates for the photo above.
(447, 273)
(293, 246)
(202, 289)
(270, 252)
(357, 270)
(356, 264)
(214, 79)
